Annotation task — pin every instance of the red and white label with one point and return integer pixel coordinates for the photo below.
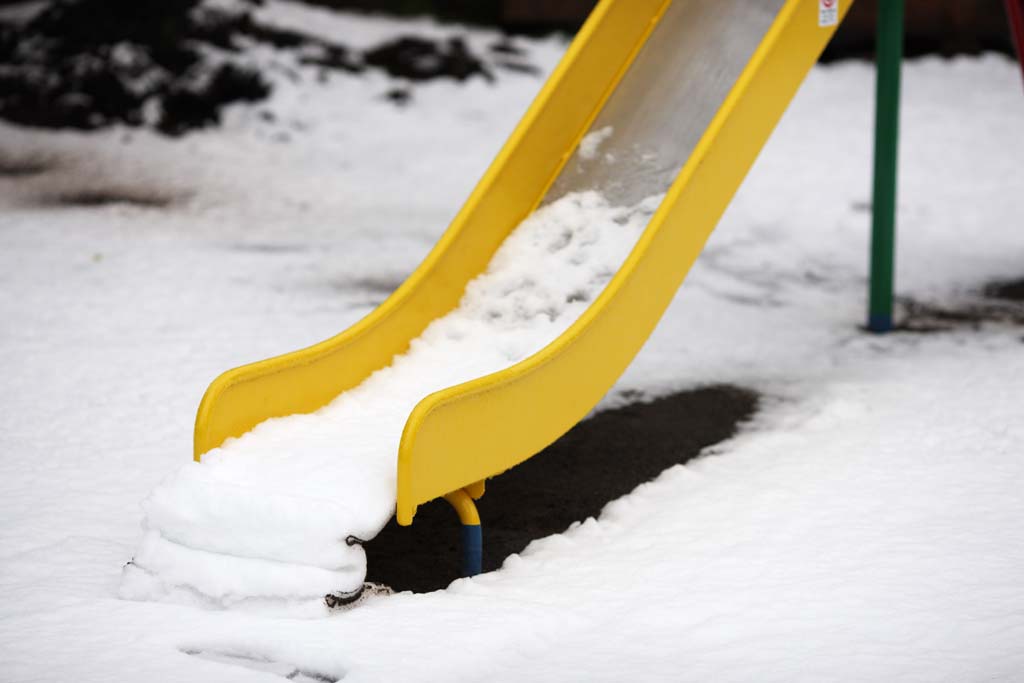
(828, 12)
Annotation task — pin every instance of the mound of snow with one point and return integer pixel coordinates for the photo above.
(277, 516)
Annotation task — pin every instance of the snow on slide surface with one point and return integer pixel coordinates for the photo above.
(275, 519)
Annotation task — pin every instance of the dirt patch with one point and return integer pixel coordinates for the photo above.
(198, 104)
(173, 65)
(381, 286)
(377, 285)
(418, 59)
(93, 63)
(371, 290)
(518, 67)
(925, 318)
(24, 166)
(1010, 290)
(109, 197)
(399, 96)
(599, 460)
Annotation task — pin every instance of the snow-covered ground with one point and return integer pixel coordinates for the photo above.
(867, 525)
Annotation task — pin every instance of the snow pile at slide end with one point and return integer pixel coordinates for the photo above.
(274, 521)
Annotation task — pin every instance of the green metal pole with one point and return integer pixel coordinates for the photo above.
(888, 55)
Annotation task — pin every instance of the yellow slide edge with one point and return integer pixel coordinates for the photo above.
(305, 380)
(481, 428)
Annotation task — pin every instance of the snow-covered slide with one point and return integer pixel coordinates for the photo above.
(525, 313)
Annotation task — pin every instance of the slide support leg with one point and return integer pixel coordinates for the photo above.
(888, 56)
(472, 533)
(1015, 13)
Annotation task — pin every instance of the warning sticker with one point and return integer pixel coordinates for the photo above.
(828, 12)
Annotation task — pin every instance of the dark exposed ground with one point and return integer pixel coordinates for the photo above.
(92, 63)
(174, 64)
(23, 166)
(1002, 302)
(599, 460)
(1007, 290)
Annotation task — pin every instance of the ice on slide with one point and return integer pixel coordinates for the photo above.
(275, 519)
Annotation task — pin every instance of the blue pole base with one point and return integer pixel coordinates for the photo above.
(472, 549)
(880, 323)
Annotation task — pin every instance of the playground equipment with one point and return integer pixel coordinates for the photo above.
(692, 90)
(888, 58)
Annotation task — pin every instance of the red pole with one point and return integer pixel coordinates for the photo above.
(1015, 13)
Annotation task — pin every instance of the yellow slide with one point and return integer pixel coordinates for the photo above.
(691, 89)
